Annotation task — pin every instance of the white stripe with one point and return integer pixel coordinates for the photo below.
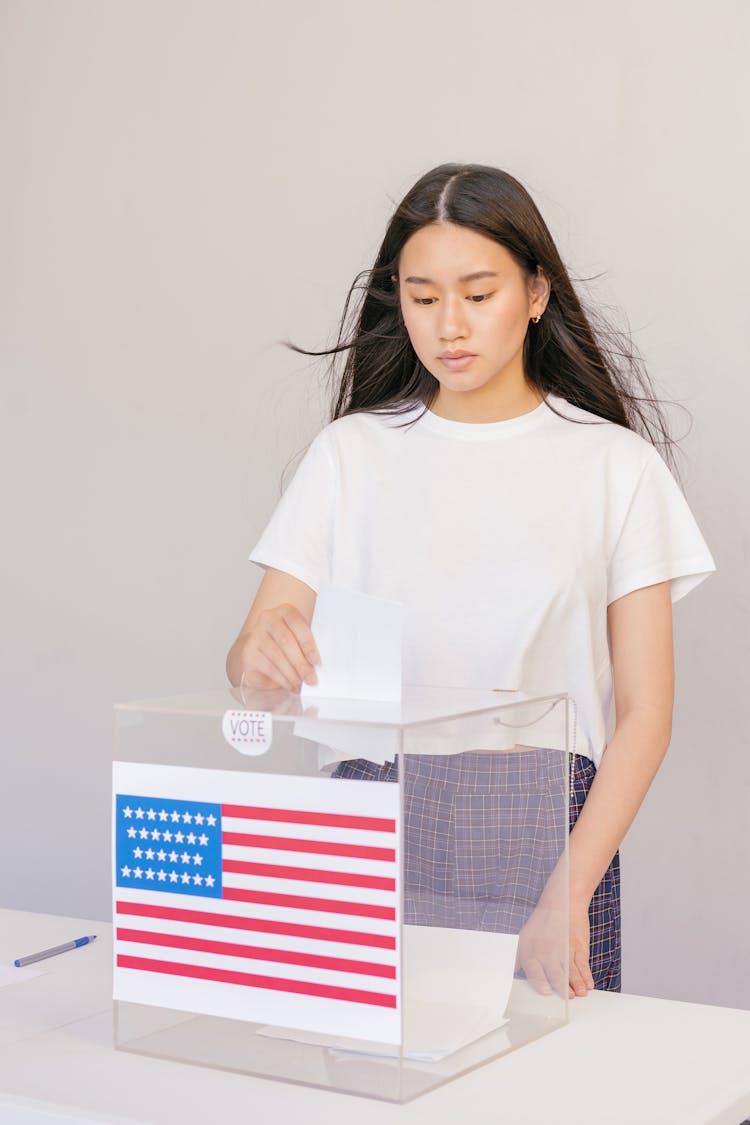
(272, 885)
(257, 938)
(362, 837)
(313, 860)
(262, 968)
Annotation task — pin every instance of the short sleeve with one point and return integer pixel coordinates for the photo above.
(298, 537)
(659, 539)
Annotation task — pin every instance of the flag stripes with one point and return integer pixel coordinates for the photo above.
(227, 976)
(256, 925)
(305, 816)
(310, 874)
(299, 902)
(257, 953)
(319, 847)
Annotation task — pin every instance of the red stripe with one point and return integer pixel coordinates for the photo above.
(305, 816)
(258, 925)
(297, 902)
(309, 874)
(226, 976)
(322, 847)
(258, 953)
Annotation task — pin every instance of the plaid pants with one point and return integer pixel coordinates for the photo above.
(482, 833)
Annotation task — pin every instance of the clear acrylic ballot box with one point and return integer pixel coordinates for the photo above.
(342, 893)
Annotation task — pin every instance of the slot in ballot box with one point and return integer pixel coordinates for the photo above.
(333, 892)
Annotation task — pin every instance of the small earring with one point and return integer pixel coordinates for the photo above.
(536, 319)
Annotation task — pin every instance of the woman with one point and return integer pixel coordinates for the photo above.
(484, 466)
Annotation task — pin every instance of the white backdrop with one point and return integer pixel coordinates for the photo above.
(185, 183)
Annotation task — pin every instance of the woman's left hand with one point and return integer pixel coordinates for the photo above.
(541, 949)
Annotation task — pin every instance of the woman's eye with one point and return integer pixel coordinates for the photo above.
(476, 298)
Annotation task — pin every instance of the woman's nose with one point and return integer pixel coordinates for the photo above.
(452, 318)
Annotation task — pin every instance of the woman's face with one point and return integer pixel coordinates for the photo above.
(448, 309)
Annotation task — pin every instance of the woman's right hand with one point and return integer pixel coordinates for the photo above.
(275, 647)
(279, 651)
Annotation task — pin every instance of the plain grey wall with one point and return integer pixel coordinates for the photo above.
(182, 184)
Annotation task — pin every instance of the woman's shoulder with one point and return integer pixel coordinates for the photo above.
(362, 424)
(619, 444)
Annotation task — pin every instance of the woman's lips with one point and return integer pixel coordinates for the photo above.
(457, 364)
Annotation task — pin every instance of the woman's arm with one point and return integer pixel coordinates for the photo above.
(275, 647)
(640, 628)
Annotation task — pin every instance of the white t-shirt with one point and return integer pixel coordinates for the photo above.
(505, 542)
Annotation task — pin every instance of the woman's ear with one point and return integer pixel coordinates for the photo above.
(539, 290)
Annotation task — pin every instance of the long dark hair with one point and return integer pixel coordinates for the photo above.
(596, 368)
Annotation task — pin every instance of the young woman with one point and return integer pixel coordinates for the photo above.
(490, 465)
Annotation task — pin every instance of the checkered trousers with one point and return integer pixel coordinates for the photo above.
(482, 833)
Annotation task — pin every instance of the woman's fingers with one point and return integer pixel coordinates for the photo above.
(536, 975)
(290, 632)
(264, 674)
(580, 971)
(297, 623)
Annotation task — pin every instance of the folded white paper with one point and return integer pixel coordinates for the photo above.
(359, 639)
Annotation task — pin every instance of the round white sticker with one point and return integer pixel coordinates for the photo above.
(250, 732)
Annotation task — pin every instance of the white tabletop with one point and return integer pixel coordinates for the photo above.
(621, 1059)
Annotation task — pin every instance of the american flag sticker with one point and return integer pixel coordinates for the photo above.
(261, 897)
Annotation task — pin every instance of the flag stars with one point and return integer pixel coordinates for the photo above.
(137, 873)
(163, 814)
(166, 835)
(186, 877)
(149, 853)
(151, 814)
(175, 818)
(178, 837)
(161, 875)
(139, 814)
(126, 872)
(203, 839)
(197, 859)
(155, 834)
(173, 876)
(197, 879)
(191, 837)
(210, 820)
(173, 857)
(132, 832)
(137, 852)
(187, 818)
(199, 818)
(143, 833)
(127, 812)
(210, 880)
(150, 872)
(185, 857)
(161, 855)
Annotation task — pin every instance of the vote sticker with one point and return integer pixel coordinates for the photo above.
(250, 732)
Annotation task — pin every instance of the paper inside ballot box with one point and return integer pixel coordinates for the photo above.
(457, 986)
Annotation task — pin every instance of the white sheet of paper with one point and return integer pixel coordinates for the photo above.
(11, 974)
(359, 639)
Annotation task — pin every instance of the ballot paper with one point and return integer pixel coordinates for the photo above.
(457, 986)
(359, 639)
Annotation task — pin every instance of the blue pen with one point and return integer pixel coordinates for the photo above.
(51, 952)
